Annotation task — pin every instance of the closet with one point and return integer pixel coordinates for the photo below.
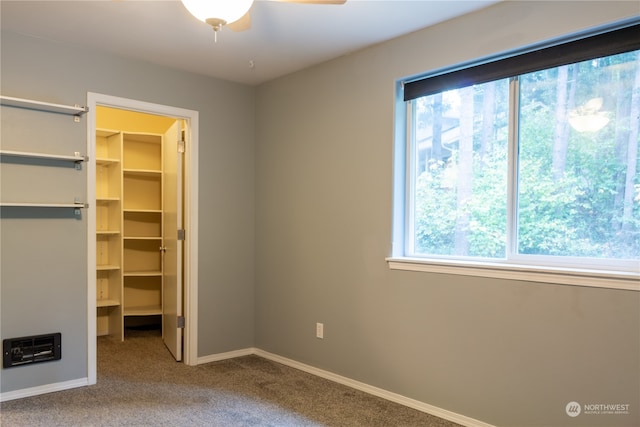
(136, 202)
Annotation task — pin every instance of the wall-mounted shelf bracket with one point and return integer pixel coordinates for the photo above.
(79, 205)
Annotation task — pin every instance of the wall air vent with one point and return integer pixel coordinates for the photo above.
(33, 349)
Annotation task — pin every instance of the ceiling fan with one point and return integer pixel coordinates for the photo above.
(233, 14)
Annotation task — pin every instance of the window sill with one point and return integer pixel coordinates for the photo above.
(559, 276)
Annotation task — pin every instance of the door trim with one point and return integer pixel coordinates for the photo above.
(190, 295)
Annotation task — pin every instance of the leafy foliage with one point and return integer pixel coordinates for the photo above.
(578, 193)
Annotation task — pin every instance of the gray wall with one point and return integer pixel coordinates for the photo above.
(42, 274)
(44, 260)
(505, 352)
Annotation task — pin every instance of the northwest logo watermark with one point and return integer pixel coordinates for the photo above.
(573, 409)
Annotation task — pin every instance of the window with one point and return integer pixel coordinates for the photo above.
(527, 163)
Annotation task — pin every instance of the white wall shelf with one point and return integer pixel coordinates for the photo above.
(74, 205)
(73, 110)
(77, 157)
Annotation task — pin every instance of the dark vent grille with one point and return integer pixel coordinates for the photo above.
(33, 349)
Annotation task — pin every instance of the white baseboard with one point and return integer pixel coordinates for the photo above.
(43, 389)
(228, 355)
(375, 391)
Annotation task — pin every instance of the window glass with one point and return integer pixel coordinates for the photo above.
(578, 161)
(558, 180)
(460, 143)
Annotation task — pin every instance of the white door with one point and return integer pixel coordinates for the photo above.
(172, 159)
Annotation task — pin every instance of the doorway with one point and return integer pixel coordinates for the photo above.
(176, 304)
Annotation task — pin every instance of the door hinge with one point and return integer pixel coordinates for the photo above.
(181, 146)
(180, 322)
(181, 234)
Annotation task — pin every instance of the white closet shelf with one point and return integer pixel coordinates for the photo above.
(107, 267)
(143, 310)
(127, 210)
(73, 110)
(74, 158)
(149, 273)
(142, 238)
(142, 172)
(107, 303)
(106, 161)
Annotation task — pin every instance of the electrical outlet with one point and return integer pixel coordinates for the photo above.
(320, 330)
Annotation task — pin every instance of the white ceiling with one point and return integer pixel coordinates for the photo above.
(283, 38)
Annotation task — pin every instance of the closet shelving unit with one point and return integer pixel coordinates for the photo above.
(128, 227)
(75, 111)
(142, 216)
(108, 232)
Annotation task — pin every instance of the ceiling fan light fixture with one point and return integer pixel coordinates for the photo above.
(218, 12)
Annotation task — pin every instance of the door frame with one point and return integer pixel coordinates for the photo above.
(190, 280)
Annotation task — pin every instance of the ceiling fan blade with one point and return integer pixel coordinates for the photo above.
(241, 24)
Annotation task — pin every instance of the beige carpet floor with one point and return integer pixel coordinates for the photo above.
(139, 384)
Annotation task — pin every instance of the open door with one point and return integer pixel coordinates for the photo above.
(180, 289)
(172, 158)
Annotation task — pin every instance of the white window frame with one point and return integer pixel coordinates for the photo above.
(624, 275)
